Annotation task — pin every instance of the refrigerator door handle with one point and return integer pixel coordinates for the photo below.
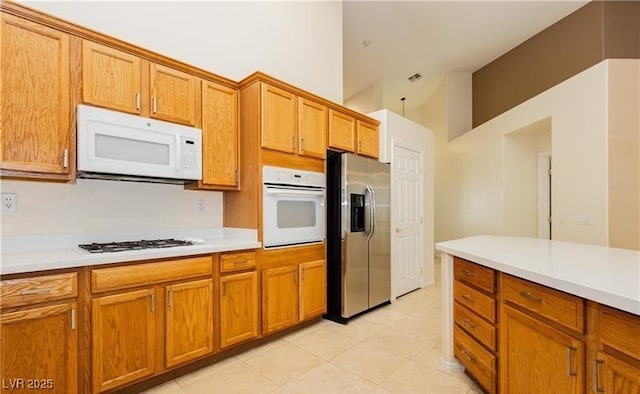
(372, 212)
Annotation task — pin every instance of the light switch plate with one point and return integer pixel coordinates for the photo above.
(9, 202)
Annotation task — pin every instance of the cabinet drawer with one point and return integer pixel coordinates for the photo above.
(562, 308)
(479, 302)
(105, 279)
(230, 262)
(478, 361)
(17, 292)
(483, 332)
(620, 330)
(475, 275)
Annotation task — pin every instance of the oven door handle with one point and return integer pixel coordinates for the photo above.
(293, 192)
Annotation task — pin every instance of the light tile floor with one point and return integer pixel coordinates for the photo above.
(394, 349)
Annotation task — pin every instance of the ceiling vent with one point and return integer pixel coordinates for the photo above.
(415, 77)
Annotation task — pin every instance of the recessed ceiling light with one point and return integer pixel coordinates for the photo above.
(366, 42)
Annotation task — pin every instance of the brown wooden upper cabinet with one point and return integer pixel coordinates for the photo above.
(312, 128)
(278, 109)
(118, 80)
(367, 139)
(342, 131)
(292, 124)
(34, 99)
(219, 135)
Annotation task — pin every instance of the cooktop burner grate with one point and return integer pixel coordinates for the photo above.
(133, 245)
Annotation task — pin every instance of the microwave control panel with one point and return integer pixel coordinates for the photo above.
(189, 153)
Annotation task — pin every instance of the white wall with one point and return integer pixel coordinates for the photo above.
(395, 128)
(474, 200)
(367, 100)
(298, 42)
(106, 206)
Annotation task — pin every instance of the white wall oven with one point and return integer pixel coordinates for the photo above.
(293, 207)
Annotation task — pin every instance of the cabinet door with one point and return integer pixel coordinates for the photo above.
(39, 343)
(342, 131)
(34, 97)
(536, 358)
(312, 128)
(620, 377)
(111, 78)
(279, 298)
(238, 308)
(189, 321)
(219, 134)
(367, 139)
(123, 337)
(278, 109)
(313, 289)
(173, 95)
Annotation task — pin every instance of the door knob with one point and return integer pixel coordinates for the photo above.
(399, 230)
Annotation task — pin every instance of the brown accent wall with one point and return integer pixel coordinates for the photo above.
(595, 32)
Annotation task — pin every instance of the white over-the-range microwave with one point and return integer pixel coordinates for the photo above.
(116, 145)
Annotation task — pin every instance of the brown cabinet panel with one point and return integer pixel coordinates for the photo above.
(313, 289)
(312, 128)
(111, 78)
(483, 332)
(28, 291)
(230, 262)
(39, 343)
(554, 305)
(620, 330)
(342, 131)
(189, 321)
(278, 110)
(123, 338)
(479, 302)
(477, 360)
(535, 357)
(238, 308)
(368, 141)
(620, 377)
(219, 135)
(480, 277)
(35, 97)
(279, 298)
(173, 95)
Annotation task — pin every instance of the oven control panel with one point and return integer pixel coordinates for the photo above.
(287, 176)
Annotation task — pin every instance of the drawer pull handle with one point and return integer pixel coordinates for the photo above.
(531, 297)
(570, 351)
(36, 290)
(468, 355)
(468, 323)
(596, 376)
(170, 298)
(238, 262)
(467, 272)
(468, 298)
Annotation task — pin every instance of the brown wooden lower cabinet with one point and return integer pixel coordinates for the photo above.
(238, 308)
(123, 338)
(313, 289)
(39, 350)
(189, 321)
(279, 298)
(620, 377)
(535, 357)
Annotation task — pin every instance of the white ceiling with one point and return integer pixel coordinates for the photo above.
(433, 38)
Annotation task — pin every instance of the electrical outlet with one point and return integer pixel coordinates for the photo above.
(9, 201)
(200, 205)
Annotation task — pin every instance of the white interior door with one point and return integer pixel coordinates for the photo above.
(407, 224)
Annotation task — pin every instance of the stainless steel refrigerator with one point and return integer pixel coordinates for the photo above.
(358, 235)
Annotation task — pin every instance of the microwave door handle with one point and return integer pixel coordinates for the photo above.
(178, 165)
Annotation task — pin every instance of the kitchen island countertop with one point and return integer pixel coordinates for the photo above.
(32, 253)
(609, 276)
